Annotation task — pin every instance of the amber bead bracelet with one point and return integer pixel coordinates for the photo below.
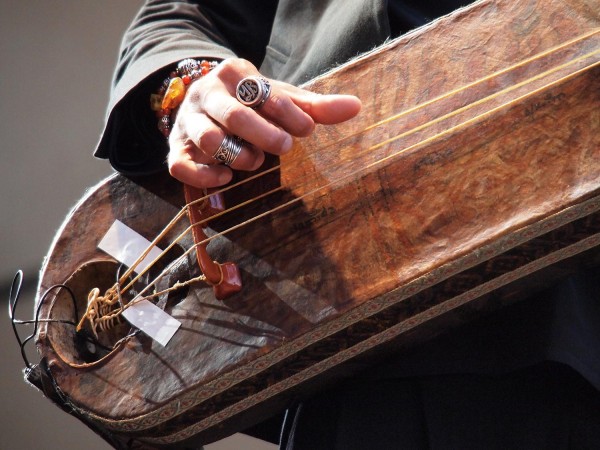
(172, 90)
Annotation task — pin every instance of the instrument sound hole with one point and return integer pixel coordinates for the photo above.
(82, 348)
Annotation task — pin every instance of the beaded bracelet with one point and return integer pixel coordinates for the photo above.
(172, 90)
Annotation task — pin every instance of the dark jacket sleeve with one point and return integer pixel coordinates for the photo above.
(163, 33)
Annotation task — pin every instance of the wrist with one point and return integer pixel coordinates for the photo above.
(172, 91)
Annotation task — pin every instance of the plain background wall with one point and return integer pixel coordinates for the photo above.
(57, 58)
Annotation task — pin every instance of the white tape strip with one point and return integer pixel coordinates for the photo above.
(152, 320)
(126, 245)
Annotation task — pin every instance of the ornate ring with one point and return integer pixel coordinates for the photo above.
(253, 91)
(229, 150)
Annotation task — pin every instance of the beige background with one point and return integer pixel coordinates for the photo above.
(57, 58)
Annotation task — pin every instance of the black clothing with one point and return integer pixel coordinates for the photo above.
(326, 34)
(546, 406)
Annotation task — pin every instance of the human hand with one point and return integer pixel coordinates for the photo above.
(210, 111)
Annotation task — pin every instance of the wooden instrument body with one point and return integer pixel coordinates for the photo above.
(391, 233)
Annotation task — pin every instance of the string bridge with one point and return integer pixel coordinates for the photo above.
(103, 311)
(225, 277)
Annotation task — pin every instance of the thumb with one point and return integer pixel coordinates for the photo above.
(327, 109)
(330, 109)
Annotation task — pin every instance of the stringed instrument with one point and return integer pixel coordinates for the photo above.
(471, 176)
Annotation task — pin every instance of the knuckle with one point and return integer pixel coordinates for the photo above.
(232, 68)
(233, 115)
(293, 120)
(276, 102)
(228, 65)
(195, 93)
(176, 167)
(279, 106)
(207, 138)
(275, 142)
(304, 127)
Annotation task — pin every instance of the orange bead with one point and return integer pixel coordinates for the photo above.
(174, 94)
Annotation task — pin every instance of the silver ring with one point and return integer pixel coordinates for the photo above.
(229, 150)
(253, 91)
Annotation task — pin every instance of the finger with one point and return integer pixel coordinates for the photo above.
(271, 102)
(183, 167)
(199, 131)
(296, 110)
(280, 109)
(238, 154)
(247, 124)
(325, 109)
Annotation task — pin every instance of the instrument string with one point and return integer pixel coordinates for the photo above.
(376, 146)
(406, 149)
(504, 71)
(415, 108)
(399, 136)
(427, 103)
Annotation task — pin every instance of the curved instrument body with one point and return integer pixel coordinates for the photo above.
(473, 168)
